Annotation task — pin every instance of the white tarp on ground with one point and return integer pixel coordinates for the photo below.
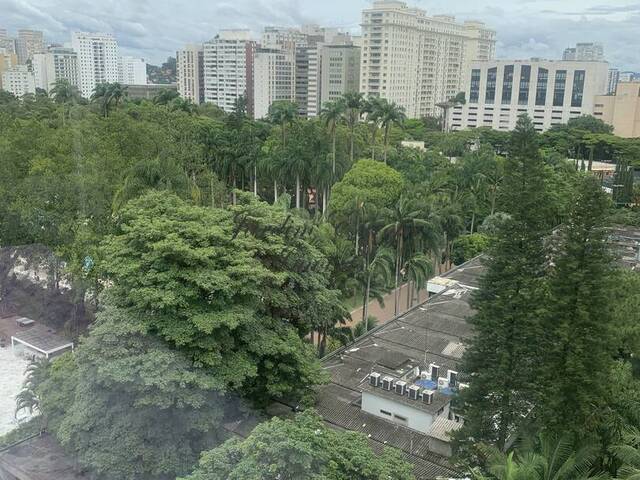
(12, 368)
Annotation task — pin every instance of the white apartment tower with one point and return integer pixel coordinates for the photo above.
(227, 58)
(584, 52)
(340, 71)
(98, 60)
(57, 64)
(415, 60)
(190, 73)
(18, 80)
(549, 92)
(132, 71)
(612, 80)
(274, 79)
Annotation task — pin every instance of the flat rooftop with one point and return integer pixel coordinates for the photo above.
(435, 331)
(37, 458)
(42, 339)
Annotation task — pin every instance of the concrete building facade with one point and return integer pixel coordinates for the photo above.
(98, 60)
(7, 60)
(584, 52)
(340, 71)
(550, 92)
(225, 67)
(28, 43)
(132, 71)
(190, 73)
(274, 78)
(18, 80)
(415, 60)
(622, 110)
(58, 63)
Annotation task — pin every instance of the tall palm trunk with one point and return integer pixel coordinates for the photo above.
(473, 220)
(386, 142)
(275, 191)
(351, 142)
(233, 195)
(398, 261)
(333, 154)
(255, 180)
(298, 190)
(324, 202)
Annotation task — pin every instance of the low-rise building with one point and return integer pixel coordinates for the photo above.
(551, 92)
(621, 110)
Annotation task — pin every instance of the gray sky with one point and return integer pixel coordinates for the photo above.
(154, 29)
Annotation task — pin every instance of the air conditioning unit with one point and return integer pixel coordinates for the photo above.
(427, 396)
(453, 378)
(435, 370)
(387, 383)
(401, 387)
(462, 386)
(374, 379)
(443, 383)
(414, 392)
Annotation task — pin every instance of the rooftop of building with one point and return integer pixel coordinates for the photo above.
(41, 338)
(37, 458)
(434, 332)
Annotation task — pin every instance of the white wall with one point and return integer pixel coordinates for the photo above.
(417, 419)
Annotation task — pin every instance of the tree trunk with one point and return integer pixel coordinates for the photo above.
(357, 235)
(297, 191)
(473, 221)
(398, 260)
(386, 143)
(409, 287)
(275, 191)
(255, 180)
(351, 144)
(233, 195)
(324, 202)
(333, 154)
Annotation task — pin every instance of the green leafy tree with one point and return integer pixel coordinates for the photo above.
(300, 449)
(510, 302)
(469, 246)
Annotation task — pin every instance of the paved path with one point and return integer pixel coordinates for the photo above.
(383, 315)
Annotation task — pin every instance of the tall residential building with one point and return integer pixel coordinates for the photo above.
(622, 110)
(190, 73)
(226, 61)
(98, 60)
(612, 80)
(628, 77)
(7, 60)
(415, 60)
(550, 92)
(274, 78)
(584, 52)
(28, 43)
(6, 43)
(58, 63)
(18, 80)
(132, 71)
(340, 71)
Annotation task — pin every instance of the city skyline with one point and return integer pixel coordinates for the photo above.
(149, 29)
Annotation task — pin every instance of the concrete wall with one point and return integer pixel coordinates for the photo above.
(416, 419)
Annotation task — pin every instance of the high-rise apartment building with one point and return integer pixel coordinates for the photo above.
(58, 63)
(550, 92)
(584, 52)
(132, 71)
(340, 71)
(227, 65)
(628, 76)
(190, 73)
(98, 60)
(415, 60)
(6, 43)
(28, 43)
(18, 80)
(273, 78)
(7, 60)
(613, 78)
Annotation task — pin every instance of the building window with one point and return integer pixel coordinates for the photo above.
(578, 88)
(474, 92)
(400, 419)
(384, 412)
(507, 84)
(525, 81)
(541, 87)
(559, 88)
(492, 74)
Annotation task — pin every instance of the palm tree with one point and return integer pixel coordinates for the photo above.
(372, 109)
(459, 99)
(379, 270)
(35, 374)
(332, 114)
(354, 103)
(418, 269)
(283, 113)
(629, 454)
(63, 93)
(101, 96)
(409, 226)
(389, 114)
(116, 93)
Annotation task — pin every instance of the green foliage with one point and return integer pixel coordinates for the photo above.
(235, 289)
(510, 302)
(467, 247)
(299, 449)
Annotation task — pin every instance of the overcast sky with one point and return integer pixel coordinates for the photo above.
(154, 29)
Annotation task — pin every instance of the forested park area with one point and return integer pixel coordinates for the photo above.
(205, 262)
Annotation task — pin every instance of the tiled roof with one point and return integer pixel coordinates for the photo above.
(433, 332)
